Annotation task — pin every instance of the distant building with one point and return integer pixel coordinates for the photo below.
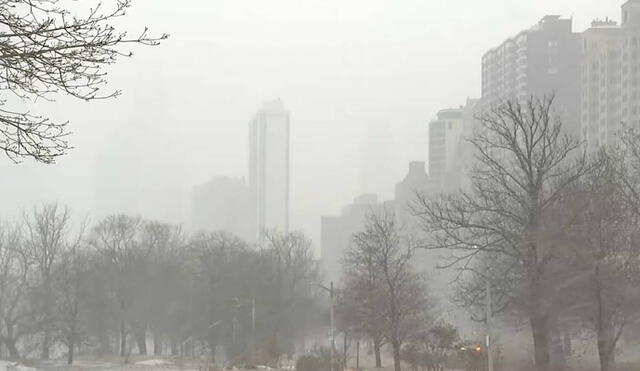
(414, 183)
(449, 151)
(269, 169)
(222, 204)
(610, 84)
(337, 232)
(444, 135)
(542, 60)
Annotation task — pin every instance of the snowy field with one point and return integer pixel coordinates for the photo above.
(105, 365)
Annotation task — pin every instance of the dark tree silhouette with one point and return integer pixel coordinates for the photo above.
(525, 166)
(46, 49)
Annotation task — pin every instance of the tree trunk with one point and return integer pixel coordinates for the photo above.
(10, 341)
(123, 339)
(606, 359)
(396, 355)
(567, 344)
(539, 321)
(13, 350)
(141, 339)
(45, 341)
(540, 330)
(606, 348)
(70, 351)
(558, 360)
(174, 346)
(157, 343)
(71, 345)
(212, 345)
(105, 344)
(606, 337)
(376, 350)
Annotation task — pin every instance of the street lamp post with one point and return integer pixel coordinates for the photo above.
(331, 320)
(488, 310)
(489, 339)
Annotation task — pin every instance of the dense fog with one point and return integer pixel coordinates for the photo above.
(320, 185)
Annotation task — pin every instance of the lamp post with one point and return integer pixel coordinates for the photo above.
(489, 315)
(488, 312)
(331, 319)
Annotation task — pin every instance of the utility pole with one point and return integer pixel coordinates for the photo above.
(252, 349)
(358, 355)
(344, 346)
(233, 332)
(332, 329)
(331, 320)
(489, 339)
(253, 315)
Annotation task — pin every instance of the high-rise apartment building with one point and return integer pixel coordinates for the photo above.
(444, 134)
(269, 169)
(542, 60)
(449, 151)
(610, 81)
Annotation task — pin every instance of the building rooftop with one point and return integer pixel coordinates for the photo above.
(273, 106)
(544, 21)
(604, 23)
(451, 113)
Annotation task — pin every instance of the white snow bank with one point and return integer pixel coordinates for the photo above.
(154, 362)
(14, 366)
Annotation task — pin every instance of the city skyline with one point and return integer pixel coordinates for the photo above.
(350, 103)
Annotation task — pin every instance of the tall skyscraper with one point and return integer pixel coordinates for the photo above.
(444, 135)
(450, 153)
(269, 169)
(542, 60)
(610, 84)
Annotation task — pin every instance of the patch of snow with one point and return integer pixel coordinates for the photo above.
(154, 362)
(14, 366)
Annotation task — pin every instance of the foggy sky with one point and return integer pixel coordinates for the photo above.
(353, 73)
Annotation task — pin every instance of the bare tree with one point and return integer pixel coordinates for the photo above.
(71, 285)
(15, 267)
(213, 255)
(380, 261)
(166, 242)
(294, 269)
(524, 166)
(361, 305)
(47, 238)
(606, 247)
(117, 238)
(432, 348)
(46, 49)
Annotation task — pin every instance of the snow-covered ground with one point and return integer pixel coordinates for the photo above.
(108, 365)
(13, 366)
(116, 364)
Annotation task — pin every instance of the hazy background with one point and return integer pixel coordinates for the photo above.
(362, 79)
